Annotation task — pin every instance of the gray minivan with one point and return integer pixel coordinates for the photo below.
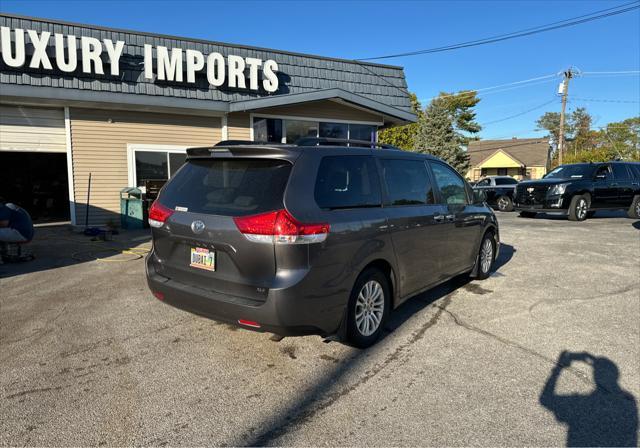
(316, 239)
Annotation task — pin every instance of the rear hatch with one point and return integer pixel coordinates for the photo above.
(197, 241)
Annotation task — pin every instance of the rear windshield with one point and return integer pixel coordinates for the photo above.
(228, 187)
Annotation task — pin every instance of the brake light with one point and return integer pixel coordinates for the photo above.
(280, 227)
(158, 214)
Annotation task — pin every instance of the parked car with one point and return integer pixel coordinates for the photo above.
(580, 190)
(324, 240)
(499, 191)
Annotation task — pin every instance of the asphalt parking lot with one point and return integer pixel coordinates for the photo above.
(89, 357)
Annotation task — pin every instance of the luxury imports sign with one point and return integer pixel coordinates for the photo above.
(72, 53)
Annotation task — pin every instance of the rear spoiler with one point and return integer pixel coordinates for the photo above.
(251, 149)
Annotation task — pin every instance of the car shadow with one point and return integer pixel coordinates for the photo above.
(324, 392)
(602, 214)
(636, 225)
(606, 416)
(417, 303)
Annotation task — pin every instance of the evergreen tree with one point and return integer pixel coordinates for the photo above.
(444, 128)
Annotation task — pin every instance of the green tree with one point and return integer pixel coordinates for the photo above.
(446, 127)
(616, 140)
(403, 136)
(461, 107)
(550, 122)
(577, 129)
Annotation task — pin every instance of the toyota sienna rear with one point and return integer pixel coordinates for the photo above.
(323, 240)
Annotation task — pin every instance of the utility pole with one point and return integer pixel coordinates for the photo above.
(568, 74)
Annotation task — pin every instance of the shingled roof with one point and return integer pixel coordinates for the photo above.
(298, 73)
(529, 151)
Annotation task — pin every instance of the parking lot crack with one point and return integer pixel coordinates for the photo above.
(616, 292)
(307, 411)
(575, 372)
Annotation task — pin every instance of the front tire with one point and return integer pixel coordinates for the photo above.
(486, 256)
(579, 208)
(634, 210)
(368, 308)
(505, 204)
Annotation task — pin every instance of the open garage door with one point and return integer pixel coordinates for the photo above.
(33, 161)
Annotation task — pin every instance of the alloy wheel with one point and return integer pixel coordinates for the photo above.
(369, 308)
(486, 255)
(638, 209)
(502, 204)
(581, 209)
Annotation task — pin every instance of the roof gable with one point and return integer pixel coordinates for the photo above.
(500, 159)
(528, 151)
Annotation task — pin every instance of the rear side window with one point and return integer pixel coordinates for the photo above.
(407, 182)
(347, 182)
(635, 170)
(506, 181)
(620, 171)
(228, 187)
(451, 185)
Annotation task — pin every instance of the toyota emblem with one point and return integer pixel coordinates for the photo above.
(197, 226)
(530, 190)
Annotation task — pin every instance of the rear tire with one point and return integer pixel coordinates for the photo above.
(528, 214)
(368, 308)
(486, 256)
(505, 204)
(634, 210)
(579, 208)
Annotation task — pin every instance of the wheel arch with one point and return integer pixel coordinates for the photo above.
(387, 269)
(489, 228)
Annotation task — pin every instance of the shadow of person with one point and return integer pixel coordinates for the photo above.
(608, 416)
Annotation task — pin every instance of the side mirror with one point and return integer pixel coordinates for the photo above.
(479, 196)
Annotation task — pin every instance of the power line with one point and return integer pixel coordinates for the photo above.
(604, 100)
(596, 15)
(540, 106)
(512, 85)
(620, 72)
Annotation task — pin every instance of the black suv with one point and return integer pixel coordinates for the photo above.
(324, 240)
(499, 191)
(579, 190)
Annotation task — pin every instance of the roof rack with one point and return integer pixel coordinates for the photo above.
(325, 141)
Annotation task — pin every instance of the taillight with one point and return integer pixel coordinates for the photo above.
(158, 214)
(280, 227)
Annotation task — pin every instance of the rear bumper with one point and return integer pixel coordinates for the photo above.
(285, 312)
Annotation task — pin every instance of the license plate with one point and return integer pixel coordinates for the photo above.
(203, 259)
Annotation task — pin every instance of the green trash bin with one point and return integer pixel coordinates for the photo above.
(131, 208)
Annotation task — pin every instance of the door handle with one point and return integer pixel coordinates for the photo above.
(438, 218)
(614, 184)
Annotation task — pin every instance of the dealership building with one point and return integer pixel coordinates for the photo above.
(86, 111)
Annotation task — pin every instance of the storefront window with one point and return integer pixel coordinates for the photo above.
(364, 132)
(267, 130)
(334, 130)
(157, 165)
(297, 129)
(276, 130)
